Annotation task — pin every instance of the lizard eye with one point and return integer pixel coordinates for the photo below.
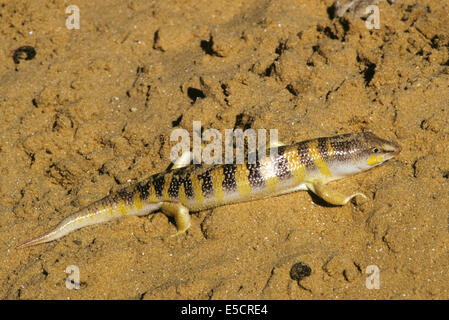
(375, 150)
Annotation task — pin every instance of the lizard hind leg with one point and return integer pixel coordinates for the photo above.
(179, 213)
(330, 195)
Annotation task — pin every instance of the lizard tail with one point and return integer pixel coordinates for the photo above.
(78, 220)
(100, 211)
(39, 240)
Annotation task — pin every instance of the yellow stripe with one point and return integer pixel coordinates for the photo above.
(314, 154)
(182, 194)
(271, 183)
(197, 192)
(152, 197)
(137, 201)
(121, 208)
(167, 182)
(217, 183)
(294, 164)
(241, 179)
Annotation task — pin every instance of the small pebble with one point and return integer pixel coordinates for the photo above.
(23, 53)
(300, 271)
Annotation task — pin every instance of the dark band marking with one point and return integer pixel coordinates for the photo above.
(323, 148)
(282, 171)
(124, 195)
(255, 176)
(343, 148)
(206, 187)
(229, 183)
(144, 189)
(303, 152)
(158, 183)
(105, 202)
(188, 187)
(173, 190)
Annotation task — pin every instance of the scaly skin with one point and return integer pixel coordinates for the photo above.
(307, 165)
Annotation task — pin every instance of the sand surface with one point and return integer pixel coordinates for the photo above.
(93, 111)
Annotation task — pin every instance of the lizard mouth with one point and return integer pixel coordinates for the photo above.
(392, 148)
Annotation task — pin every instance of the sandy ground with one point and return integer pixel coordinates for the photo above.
(93, 110)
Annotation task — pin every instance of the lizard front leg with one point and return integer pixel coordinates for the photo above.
(179, 213)
(330, 195)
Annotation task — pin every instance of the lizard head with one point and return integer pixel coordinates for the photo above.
(356, 152)
(375, 150)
